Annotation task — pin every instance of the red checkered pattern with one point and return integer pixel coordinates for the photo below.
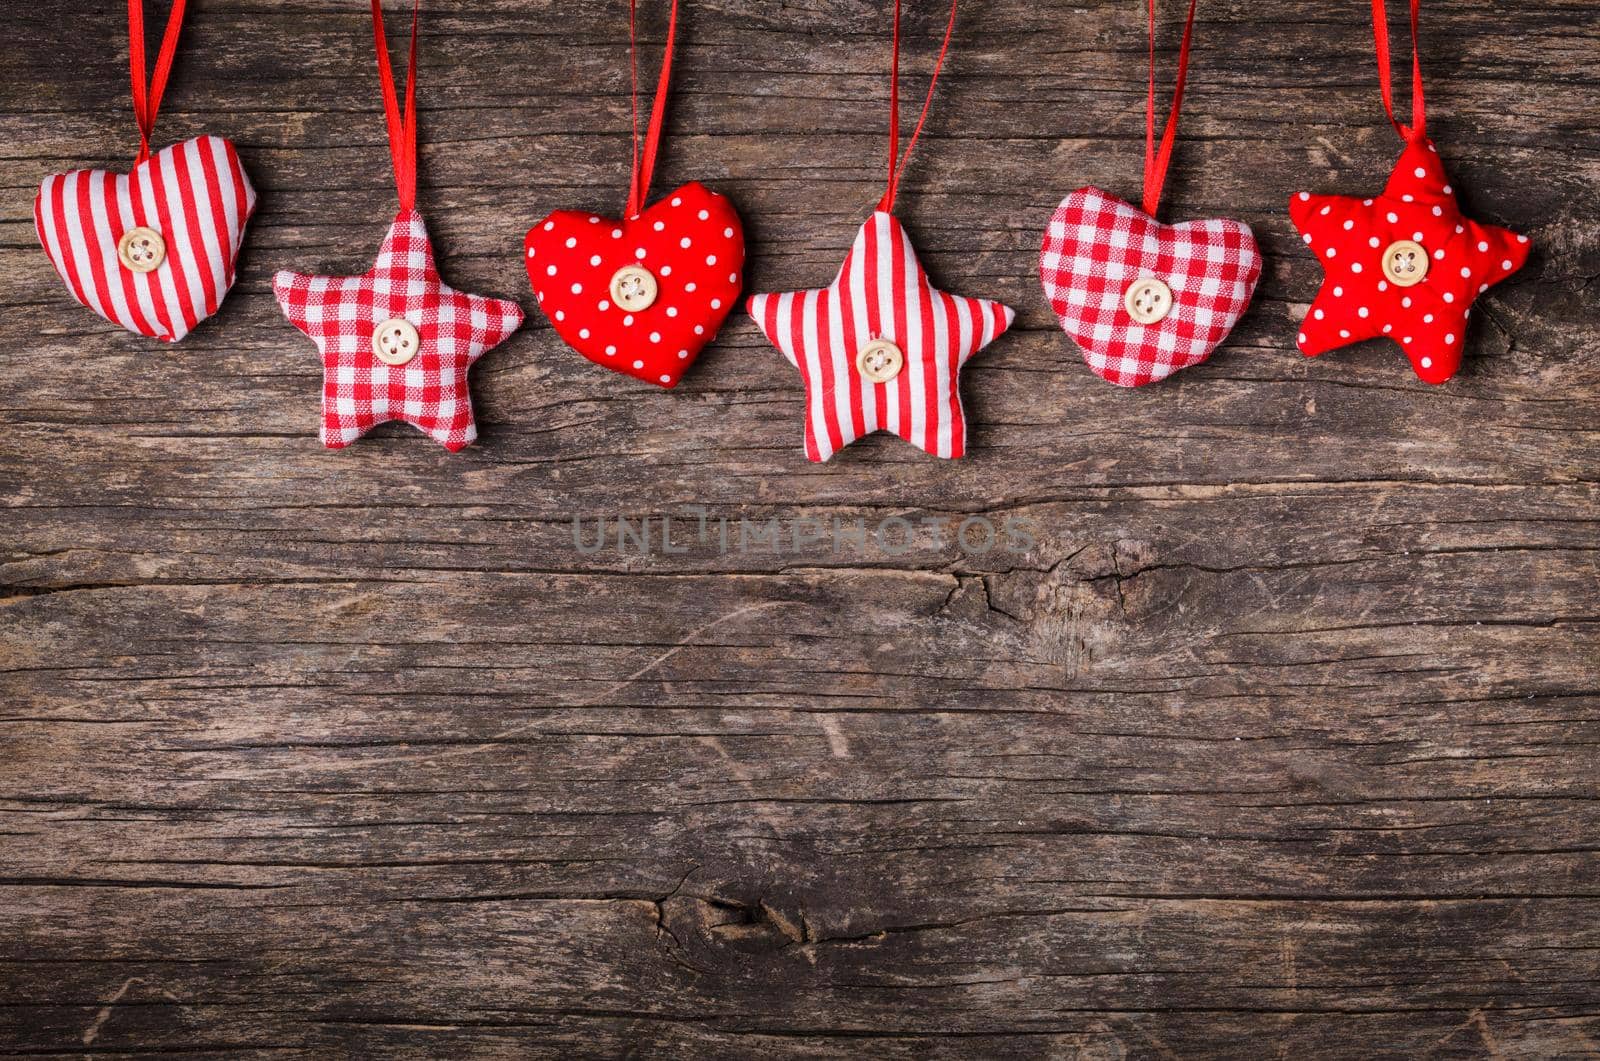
(429, 392)
(1096, 246)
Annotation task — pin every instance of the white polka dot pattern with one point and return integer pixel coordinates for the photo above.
(690, 243)
(1350, 237)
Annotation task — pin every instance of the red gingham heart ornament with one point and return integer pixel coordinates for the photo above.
(1141, 298)
(1099, 250)
(194, 196)
(688, 252)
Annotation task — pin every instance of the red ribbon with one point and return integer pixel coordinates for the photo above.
(1380, 37)
(402, 127)
(897, 160)
(147, 96)
(1155, 163)
(644, 166)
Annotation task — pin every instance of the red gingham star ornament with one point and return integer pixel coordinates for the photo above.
(880, 348)
(1142, 299)
(396, 342)
(1405, 264)
(642, 295)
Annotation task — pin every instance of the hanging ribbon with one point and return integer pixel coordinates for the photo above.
(147, 95)
(402, 127)
(644, 165)
(1155, 162)
(1380, 38)
(897, 160)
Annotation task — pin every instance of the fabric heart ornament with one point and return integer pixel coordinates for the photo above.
(644, 295)
(153, 250)
(1143, 299)
(641, 296)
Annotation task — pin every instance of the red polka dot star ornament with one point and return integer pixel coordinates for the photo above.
(880, 348)
(642, 295)
(396, 342)
(1404, 264)
(1141, 299)
(153, 250)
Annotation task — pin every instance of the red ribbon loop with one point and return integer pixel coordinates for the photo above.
(644, 165)
(897, 160)
(1155, 163)
(1380, 38)
(402, 127)
(147, 97)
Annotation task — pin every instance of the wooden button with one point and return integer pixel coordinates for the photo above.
(1405, 262)
(1148, 300)
(394, 342)
(142, 249)
(880, 361)
(633, 288)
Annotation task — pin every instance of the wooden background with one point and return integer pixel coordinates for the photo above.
(1280, 741)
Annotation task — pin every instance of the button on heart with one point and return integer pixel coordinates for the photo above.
(641, 296)
(1143, 299)
(154, 250)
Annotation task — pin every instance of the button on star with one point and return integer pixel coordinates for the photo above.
(365, 327)
(880, 349)
(1405, 265)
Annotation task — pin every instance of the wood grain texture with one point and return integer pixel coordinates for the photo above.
(1279, 740)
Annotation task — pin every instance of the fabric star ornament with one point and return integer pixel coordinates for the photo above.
(396, 341)
(880, 348)
(1405, 265)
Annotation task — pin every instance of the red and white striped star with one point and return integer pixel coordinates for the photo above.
(881, 296)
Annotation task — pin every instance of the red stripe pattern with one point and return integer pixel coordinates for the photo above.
(1096, 246)
(340, 314)
(881, 292)
(195, 194)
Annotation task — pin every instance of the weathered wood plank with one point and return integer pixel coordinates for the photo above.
(1276, 736)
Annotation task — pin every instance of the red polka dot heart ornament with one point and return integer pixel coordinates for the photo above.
(642, 295)
(155, 249)
(396, 342)
(880, 348)
(1142, 299)
(1404, 264)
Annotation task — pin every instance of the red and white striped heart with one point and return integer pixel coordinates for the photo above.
(1143, 299)
(153, 250)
